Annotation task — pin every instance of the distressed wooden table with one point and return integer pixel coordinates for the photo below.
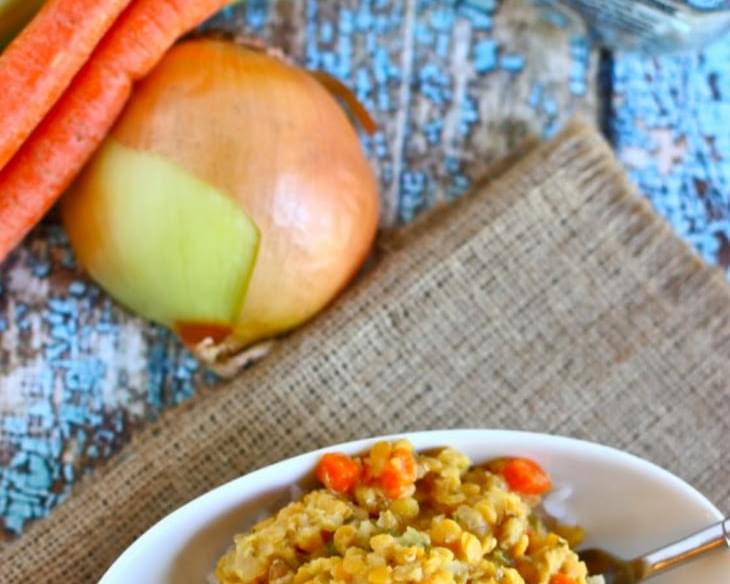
(454, 86)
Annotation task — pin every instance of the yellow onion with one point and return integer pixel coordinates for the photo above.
(232, 199)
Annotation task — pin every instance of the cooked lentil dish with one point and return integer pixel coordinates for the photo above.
(395, 516)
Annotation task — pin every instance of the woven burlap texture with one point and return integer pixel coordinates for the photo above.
(551, 299)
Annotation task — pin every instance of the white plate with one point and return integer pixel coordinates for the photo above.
(625, 504)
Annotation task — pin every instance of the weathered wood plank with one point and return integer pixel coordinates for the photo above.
(672, 131)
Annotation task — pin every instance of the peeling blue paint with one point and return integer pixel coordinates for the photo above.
(413, 187)
(686, 98)
(512, 63)
(485, 56)
(41, 269)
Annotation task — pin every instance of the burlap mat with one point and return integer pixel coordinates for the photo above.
(552, 299)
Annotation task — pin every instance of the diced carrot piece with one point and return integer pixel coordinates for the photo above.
(338, 472)
(67, 137)
(525, 476)
(561, 578)
(398, 474)
(392, 484)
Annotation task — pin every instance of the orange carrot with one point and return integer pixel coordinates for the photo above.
(396, 474)
(399, 473)
(525, 476)
(38, 66)
(561, 578)
(338, 472)
(67, 137)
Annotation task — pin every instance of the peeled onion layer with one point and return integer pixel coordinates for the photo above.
(164, 243)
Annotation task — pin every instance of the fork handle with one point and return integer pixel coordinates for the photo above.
(689, 548)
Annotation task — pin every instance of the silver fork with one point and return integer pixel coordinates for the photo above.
(618, 571)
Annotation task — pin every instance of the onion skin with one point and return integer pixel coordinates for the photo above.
(273, 139)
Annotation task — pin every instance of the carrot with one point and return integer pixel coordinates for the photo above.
(67, 137)
(525, 476)
(399, 473)
(338, 472)
(561, 578)
(38, 66)
(14, 15)
(392, 467)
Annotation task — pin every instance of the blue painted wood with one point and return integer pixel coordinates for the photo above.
(454, 85)
(671, 128)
